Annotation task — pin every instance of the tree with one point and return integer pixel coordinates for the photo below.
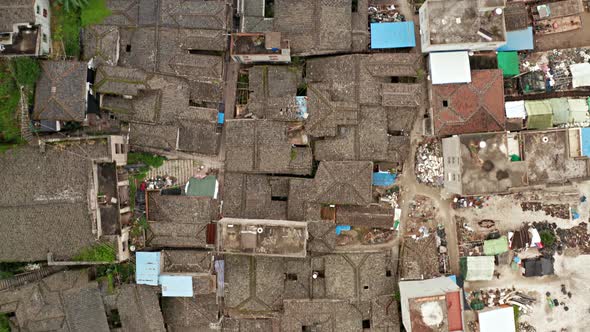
(70, 5)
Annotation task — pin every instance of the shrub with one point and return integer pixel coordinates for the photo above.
(547, 238)
(98, 253)
(26, 71)
(94, 13)
(71, 5)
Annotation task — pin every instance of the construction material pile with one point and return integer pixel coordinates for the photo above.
(561, 211)
(429, 166)
(385, 13)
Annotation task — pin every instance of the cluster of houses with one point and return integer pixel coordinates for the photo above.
(298, 230)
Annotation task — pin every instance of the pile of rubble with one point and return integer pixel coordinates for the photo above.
(503, 296)
(385, 13)
(575, 237)
(443, 257)
(471, 201)
(429, 163)
(526, 327)
(555, 65)
(561, 211)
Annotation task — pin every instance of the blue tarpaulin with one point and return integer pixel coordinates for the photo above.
(176, 286)
(301, 107)
(147, 269)
(519, 40)
(393, 35)
(220, 118)
(383, 179)
(341, 228)
(586, 142)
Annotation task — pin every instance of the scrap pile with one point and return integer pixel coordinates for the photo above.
(429, 163)
(470, 241)
(160, 182)
(443, 257)
(421, 216)
(575, 237)
(497, 297)
(385, 13)
(526, 327)
(561, 211)
(471, 201)
(555, 65)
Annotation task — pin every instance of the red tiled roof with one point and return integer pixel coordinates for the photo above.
(471, 108)
(454, 311)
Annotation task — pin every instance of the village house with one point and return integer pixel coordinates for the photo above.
(71, 195)
(25, 28)
(312, 27)
(259, 47)
(70, 301)
(503, 162)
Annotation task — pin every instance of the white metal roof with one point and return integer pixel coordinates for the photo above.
(449, 67)
(501, 319)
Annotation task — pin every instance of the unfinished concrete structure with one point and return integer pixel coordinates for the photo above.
(493, 163)
(449, 25)
(262, 237)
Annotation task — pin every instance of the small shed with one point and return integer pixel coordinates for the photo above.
(538, 267)
(480, 268)
(580, 74)
(449, 67)
(148, 268)
(509, 62)
(578, 110)
(392, 35)
(205, 187)
(496, 246)
(515, 109)
(539, 114)
(518, 40)
(500, 319)
(177, 286)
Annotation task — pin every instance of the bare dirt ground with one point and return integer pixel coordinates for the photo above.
(573, 272)
(570, 39)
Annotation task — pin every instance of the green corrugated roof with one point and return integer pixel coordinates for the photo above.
(206, 186)
(509, 63)
(480, 268)
(544, 121)
(495, 247)
(561, 109)
(538, 107)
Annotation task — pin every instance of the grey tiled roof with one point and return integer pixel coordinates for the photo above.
(60, 92)
(139, 308)
(14, 12)
(101, 42)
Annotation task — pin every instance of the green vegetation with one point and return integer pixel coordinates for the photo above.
(102, 252)
(66, 25)
(4, 325)
(547, 238)
(115, 274)
(26, 72)
(139, 226)
(463, 267)
(94, 13)
(8, 270)
(516, 315)
(72, 5)
(150, 161)
(293, 154)
(9, 99)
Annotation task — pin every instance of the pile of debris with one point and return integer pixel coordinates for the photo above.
(526, 327)
(503, 296)
(429, 163)
(160, 182)
(555, 65)
(575, 237)
(385, 13)
(443, 257)
(561, 211)
(471, 201)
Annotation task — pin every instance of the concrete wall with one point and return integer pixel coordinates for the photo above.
(452, 164)
(44, 23)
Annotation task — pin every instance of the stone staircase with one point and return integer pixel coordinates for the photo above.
(182, 170)
(25, 121)
(28, 277)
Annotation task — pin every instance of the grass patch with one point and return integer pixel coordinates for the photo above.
(26, 72)
(4, 324)
(516, 315)
(66, 27)
(94, 13)
(9, 99)
(547, 238)
(97, 253)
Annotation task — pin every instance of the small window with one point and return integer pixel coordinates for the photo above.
(449, 176)
(38, 10)
(44, 12)
(118, 148)
(448, 160)
(128, 48)
(445, 103)
(44, 38)
(366, 324)
(291, 276)
(366, 287)
(388, 273)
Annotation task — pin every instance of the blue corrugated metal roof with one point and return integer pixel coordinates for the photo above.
(383, 179)
(176, 286)
(519, 40)
(586, 142)
(393, 35)
(147, 269)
